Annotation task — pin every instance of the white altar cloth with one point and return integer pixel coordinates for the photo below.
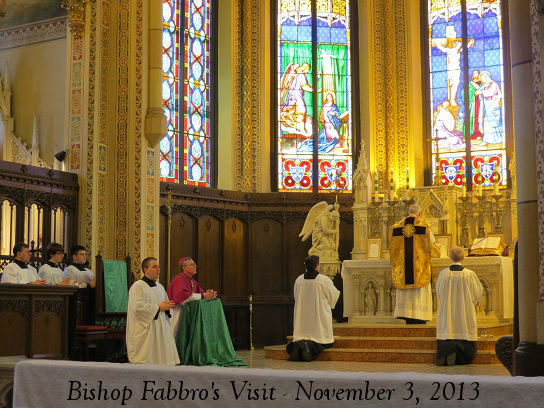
(45, 383)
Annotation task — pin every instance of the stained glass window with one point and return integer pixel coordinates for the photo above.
(467, 91)
(314, 101)
(187, 71)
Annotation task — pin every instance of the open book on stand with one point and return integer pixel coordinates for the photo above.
(492, 245)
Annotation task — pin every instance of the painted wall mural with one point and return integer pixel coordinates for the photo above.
(21, 12)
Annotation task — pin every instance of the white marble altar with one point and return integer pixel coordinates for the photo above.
(369, 294)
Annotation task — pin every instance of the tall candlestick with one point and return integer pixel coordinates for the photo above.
(392, 185)
(496, 183)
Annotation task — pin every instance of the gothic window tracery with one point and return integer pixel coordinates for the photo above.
(313, 132)
(187, 92)
(466, 80)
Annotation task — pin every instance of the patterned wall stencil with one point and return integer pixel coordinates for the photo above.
(539, 131)
(76, 103)
(103, 123)
(139, 137)
(378, 53)
(89, 193)
(248, 82)
(121, 174)
(150, 200)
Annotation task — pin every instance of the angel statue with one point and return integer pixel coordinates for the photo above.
(323, 224)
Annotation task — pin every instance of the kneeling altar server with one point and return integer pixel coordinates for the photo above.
(149, 335)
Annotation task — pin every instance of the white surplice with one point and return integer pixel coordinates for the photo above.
(81, 278)
(457, 292)
(13, 273)
(50, 274)
(415, 303)
(149, 340)
(314, 299)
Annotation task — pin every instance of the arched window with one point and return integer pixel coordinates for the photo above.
(188, 91)
(313, 101)
(466, 83)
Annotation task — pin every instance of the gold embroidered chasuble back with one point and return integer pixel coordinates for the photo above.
(410, 253)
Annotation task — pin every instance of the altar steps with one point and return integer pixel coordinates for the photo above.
(395, 344)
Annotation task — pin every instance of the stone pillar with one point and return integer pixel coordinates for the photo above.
(155, 121)
(528, 358)
(381, 299)
(357, 293)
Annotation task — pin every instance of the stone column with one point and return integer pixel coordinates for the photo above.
(155, 121)
(357, 294)
(381, 299)
(528, 359)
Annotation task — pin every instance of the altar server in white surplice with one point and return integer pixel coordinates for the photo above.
(51, 271)
(19, 271)
(315, 297)
(149, 334)
(458, 290)
(77, 272)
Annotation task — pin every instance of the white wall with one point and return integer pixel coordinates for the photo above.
(38, 75)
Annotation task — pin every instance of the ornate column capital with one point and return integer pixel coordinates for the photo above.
(76, 16)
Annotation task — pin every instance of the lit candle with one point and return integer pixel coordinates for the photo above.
(496, 183)
(407, 178)
(480, 190)
(464, 185)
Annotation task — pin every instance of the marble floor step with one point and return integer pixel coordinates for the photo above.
(417, 343)
(415, 330)
(379, 355)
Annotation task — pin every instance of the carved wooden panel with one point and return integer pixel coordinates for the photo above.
(297, 251)
(271, 324)
(209, 253)
(14, 333)
(346, 240)
(47, 338)
(267, 271)
(235, 280)
(182, 243)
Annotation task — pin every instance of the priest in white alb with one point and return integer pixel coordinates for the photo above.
(19, 271)
(410, 246)
(458, 290)
(149, 334)
(315, 297)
